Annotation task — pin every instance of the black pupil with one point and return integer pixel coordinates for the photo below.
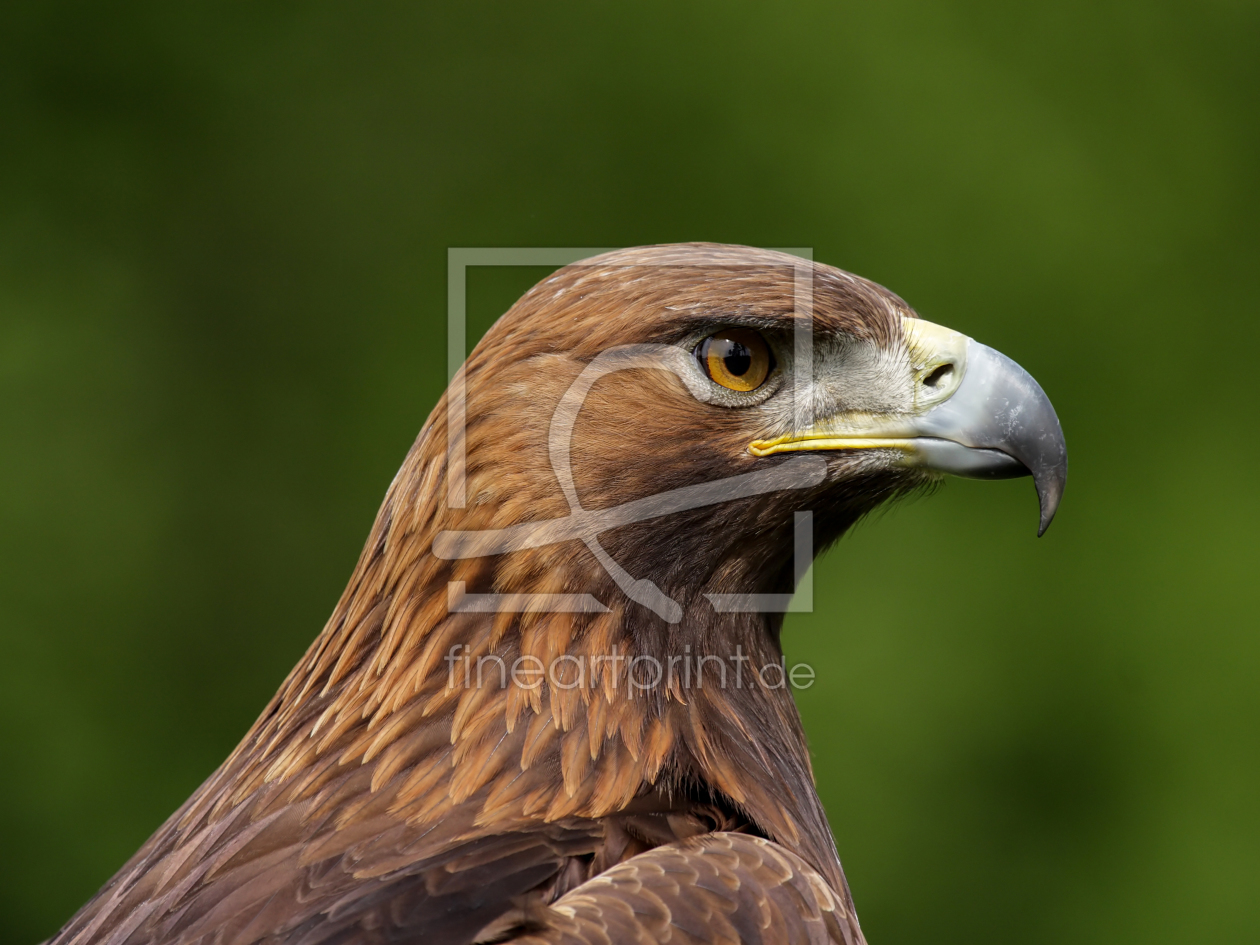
(737, 358)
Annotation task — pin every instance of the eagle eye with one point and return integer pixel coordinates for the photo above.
(737, 358)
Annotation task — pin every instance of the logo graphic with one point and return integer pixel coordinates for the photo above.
(586, 525)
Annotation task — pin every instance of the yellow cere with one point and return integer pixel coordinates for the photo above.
(788, 444)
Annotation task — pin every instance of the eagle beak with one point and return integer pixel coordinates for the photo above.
(977, 414)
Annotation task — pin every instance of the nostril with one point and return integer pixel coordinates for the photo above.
(939, 377)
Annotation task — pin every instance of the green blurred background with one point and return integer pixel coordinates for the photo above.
(223, 234)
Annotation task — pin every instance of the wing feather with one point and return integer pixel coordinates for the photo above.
(721, 888)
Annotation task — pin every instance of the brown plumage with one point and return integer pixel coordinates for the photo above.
(378, 798)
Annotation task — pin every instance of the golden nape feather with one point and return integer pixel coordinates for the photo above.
(551, 704)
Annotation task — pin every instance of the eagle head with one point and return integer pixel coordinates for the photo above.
(671, 411)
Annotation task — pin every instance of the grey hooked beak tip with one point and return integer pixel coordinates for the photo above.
(999, 409)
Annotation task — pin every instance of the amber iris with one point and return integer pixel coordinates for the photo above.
(737, 358)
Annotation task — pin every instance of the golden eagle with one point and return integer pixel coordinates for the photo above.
(550, 705)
